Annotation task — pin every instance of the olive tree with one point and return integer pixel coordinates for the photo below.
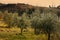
(47, 22)
(35, 23)
(10, 19)
(23, 22)
(7, 19)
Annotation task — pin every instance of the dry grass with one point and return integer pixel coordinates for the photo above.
(14, 34)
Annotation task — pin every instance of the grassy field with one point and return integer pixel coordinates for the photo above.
(14, 34)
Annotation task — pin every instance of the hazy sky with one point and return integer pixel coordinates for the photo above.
(34, 2)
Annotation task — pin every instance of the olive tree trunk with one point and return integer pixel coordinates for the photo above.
(49, 36)
(21, 30)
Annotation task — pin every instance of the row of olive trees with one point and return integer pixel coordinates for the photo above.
(47, 22)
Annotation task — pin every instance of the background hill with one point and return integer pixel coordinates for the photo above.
(21, 7)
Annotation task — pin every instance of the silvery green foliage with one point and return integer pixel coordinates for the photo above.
(23, 21)
(48, 21)
(10, 19)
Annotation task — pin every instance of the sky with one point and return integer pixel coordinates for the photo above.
(45, 3)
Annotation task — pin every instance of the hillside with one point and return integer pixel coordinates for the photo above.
(21, 7)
